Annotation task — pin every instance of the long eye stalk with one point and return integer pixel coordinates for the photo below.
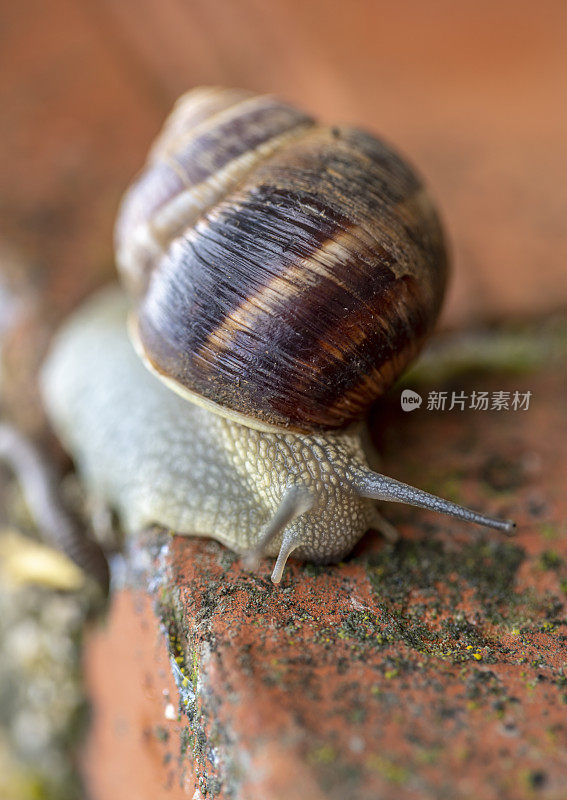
(380, 487)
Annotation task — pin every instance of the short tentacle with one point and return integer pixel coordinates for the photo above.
(380, 487)
(384, 527)
(289, 543)
(296, 501)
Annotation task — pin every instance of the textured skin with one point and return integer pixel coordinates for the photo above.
(156, 458)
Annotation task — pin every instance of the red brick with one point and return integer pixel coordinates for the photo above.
(134, 746)
(435, 667)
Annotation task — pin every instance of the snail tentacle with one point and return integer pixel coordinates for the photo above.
(383, 526)
(380, 487)
(296, 501)
(289, 542)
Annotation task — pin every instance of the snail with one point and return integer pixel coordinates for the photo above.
(280, 275)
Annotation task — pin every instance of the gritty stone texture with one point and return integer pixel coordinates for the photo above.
(433, 667)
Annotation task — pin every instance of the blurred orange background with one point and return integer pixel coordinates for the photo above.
(474, 93)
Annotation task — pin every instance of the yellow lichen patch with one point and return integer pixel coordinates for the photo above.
(23, 561)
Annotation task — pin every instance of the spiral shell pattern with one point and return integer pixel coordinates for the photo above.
(283, 271)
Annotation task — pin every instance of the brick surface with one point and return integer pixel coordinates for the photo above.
(427, 669)
(430, 668)
(135, 736)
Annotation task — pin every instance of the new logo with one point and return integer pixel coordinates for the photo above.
(410, 400)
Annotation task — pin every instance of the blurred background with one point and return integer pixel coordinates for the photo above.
(474, 93)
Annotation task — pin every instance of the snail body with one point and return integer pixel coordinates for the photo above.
(158, 458)
(283, 274)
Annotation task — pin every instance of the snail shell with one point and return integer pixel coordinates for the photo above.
(284, 272)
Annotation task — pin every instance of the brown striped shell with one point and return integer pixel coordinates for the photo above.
(284, 271)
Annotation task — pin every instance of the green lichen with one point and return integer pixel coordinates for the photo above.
(197, 739)
(551, 560)
(325, 754)
(486, 566)
(389, 769)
